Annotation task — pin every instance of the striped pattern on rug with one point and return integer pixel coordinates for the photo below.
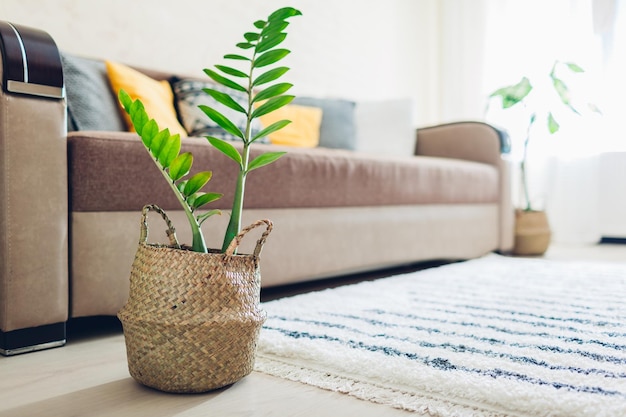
(495, 336)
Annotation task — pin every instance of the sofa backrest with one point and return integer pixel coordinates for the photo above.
(376, 126)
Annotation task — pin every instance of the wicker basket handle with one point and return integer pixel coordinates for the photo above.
(171, 232)
(259, 244)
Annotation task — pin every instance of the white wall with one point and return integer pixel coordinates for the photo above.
(356, 49)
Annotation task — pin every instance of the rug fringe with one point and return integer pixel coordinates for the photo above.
(424, 404)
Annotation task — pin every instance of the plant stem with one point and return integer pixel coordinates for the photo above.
(234, 225)
(523, 169)
(198, 244)
(525, 186)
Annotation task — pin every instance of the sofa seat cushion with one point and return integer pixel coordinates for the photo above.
(303, 178)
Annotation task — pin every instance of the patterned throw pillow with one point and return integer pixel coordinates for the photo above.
(189, 95)
(91, 104)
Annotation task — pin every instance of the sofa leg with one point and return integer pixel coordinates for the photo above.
(32, 339)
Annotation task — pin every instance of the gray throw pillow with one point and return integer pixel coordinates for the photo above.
(338, 125)
(189, 94)
(91, 103)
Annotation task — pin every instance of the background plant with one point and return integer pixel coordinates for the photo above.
(260, 50)
(519, 93)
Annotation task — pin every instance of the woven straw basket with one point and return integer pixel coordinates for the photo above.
(192, 319)
(532, 233)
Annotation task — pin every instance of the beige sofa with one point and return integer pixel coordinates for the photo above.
(69, 219)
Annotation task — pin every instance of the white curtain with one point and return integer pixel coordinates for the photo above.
(524, 38)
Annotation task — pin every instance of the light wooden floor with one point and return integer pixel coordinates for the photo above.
(89, 377)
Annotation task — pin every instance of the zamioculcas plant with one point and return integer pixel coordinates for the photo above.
(260, 50)
(518, 93)
(165, 151)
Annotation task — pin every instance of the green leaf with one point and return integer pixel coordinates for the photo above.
(200, 199)
(224, 81)
(190, 200)
(149, 131)
(222, 121)
(270, 57)
(208, 214)
(195, 183)
(271, 105)
(274, 27)
(180, 166)
(181, 186)
(562, 90)
(272, 91)
(125, 99)
(259, 24)
(553, 126)
(284, 13)
(138, 115)
(251, 36)
(236, 57)
(574, 67)
(231, 71)
(269, 76)
(270, 42)
(271, 129)
(170, 150)
(244, 45)
(594, 108)
(158, 142)
(226, 148)
(224, 99)
(513, 94)
(264, 159)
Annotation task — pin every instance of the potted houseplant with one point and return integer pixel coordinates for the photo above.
(532, 231)
(193, 317)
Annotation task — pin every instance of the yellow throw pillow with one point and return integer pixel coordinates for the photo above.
(156, 96)
(304, 129)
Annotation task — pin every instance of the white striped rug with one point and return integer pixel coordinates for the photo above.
(495, 336)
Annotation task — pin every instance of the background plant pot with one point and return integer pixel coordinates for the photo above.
(192, 319)
(532, 233)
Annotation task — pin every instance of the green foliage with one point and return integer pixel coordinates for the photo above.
(165, 151)
(227, 149)
(264, 159)
(260, 50)
(513, 94)
(518, 93)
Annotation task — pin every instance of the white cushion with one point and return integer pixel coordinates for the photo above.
(385, 127)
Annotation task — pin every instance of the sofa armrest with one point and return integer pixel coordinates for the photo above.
(478, 142)
(33, 192)
(472, 141)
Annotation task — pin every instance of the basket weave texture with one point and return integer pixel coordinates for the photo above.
(532, 233)
(192, 319)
